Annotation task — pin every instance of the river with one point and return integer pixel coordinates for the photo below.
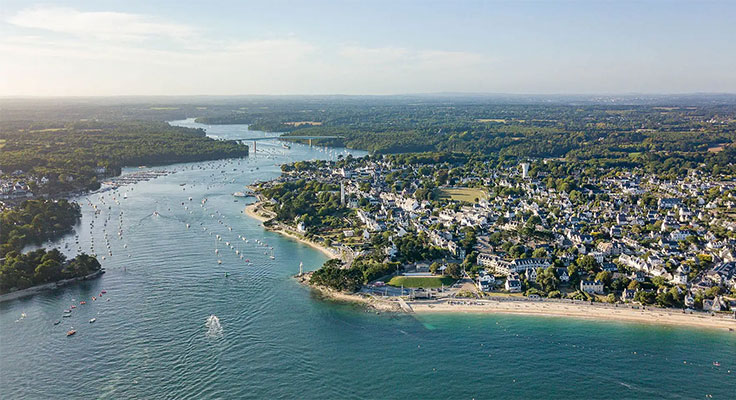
(154, 336)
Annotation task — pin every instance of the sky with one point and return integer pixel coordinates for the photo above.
(220, 47)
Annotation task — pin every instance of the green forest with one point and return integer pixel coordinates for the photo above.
(21, 271)
(70, 155)
(34, 222)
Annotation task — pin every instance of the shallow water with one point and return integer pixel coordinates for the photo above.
(154, 338)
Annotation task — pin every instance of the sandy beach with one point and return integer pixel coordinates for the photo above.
(650, 315)
(254, 211)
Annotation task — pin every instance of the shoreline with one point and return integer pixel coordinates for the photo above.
(624, 313)
(585, 311)
(251, 210)
(33, 290)
(367, 301)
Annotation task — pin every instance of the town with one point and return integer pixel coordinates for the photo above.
(433, 224)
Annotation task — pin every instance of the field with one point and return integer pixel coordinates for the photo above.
(460, 194)
(421, 281)
(2, 143)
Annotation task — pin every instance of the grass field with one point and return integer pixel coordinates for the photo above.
(420, 281)
(2, 143)
(461, 194)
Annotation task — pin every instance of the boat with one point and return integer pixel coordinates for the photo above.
(57, 322)
(82, 302)
(92, 320)
(239, 194)
(716, 363)
(71, 332)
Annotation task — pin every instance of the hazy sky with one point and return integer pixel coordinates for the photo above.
(174, 47)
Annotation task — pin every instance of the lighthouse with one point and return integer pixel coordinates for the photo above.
(524, 170)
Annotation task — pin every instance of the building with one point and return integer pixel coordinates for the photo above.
(591, 286)
(513, 283)
(486, 281)
(524, 170)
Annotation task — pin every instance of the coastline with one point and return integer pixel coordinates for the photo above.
(251, 210)
(577, 310)
(625, 313)
(47, 286)
(364, 300)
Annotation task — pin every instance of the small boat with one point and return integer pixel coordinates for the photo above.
(219, 261)
(82, 302)
(92, 321)
(103, 291)
(71, 332)
(716, 363)
(57, 322)
(73, 307)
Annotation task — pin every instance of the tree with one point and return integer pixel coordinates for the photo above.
(587, 263)
(539, 253)
(644, 297)
(453, 270)
(434, 267)
(605, 277)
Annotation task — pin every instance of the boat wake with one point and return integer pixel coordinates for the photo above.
(214, 329)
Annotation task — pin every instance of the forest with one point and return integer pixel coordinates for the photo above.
(34, 222)
(20, 271)
(75, 156)
(655, 133)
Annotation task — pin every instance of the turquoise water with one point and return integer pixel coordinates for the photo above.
(150, 339)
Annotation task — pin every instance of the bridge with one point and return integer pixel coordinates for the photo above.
(286, 137)
(310, 138)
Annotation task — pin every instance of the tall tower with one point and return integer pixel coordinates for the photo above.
(342, 193)
(524, 170)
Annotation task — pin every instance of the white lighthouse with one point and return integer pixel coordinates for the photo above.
(524, 170)
(342, 194)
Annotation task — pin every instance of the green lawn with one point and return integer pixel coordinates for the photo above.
(461, 194)
(420, 281)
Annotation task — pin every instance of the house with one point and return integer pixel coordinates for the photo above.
(712, 305)
(562, 275)
(591, 286)
(627, 295)
(689, 301)
(668, 202)
(300, 227)
(638, 276)
(486, 281)
(679, 278)
(513, 284)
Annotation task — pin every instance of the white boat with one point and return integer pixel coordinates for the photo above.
(92, 321)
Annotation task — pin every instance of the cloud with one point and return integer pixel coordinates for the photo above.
(98, 24)
(62, 51)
